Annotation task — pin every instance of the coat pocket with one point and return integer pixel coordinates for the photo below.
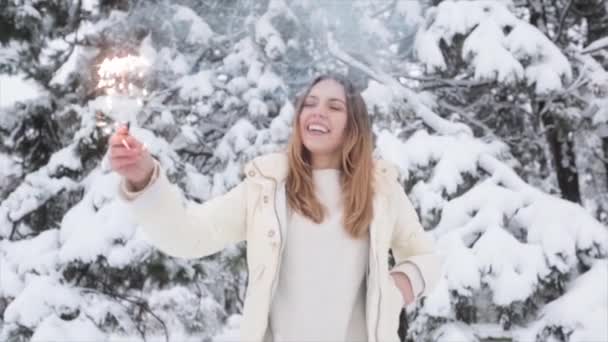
(393, 306)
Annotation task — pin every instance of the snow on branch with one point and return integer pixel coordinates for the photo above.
(497, 44)
(435, 121)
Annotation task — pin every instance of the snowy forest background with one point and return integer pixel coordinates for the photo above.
(496, 113)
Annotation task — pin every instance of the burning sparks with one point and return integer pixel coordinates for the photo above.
(120, 78)
(119, 67)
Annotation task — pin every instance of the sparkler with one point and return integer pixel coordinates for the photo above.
(121, 79)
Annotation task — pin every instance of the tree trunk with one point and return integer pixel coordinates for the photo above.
(561, 147)
(564, 159)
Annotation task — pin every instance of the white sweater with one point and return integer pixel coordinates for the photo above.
(321, 290)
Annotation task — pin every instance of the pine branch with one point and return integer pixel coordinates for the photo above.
(562, 20)
(387, 8)
(499, 170)
(469, 118)
(433, 120)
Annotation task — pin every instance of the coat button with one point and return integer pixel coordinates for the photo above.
(383, 170)
(251, 173)
(271, 233)
(265, 199)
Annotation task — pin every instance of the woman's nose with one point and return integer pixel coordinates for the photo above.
(319, 113)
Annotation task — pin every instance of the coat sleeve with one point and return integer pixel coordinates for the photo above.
(414, 249)
(183, 228)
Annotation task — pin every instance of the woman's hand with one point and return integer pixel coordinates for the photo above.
(130, 158)
(405, 286)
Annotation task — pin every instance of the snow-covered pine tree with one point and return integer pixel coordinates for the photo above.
(507, 274)
(221, 82)
(73, 267)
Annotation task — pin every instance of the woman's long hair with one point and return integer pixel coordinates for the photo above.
(356, 165)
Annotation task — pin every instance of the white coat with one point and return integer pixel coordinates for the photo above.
(255, 210)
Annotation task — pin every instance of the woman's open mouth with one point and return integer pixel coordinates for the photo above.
(317, 129)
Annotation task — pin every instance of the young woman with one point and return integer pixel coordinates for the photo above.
(319, 220)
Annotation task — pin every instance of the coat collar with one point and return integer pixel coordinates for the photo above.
(275, 166)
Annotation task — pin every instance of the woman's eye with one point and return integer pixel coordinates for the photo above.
(336, 108)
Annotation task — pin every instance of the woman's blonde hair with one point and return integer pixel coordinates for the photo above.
(356, 165)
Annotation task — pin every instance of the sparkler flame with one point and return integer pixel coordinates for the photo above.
(119, 77)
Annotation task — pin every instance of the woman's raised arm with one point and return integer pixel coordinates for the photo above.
(176, 226)
(183, 228)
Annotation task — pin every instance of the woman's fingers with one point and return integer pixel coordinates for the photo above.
(132, 142)
(122, 151)
(126, 153)
(122, 141)
(121, 162)
(122, 129)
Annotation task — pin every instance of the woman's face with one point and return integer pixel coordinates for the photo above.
(323, 118)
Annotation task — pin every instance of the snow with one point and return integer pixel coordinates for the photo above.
(500, 240)
(33, 304)
(255, 71)
(267, 35)
(257, 107)
(455, 332)
(117, 107)
(51, 50)
(238, 139)
(489, 203)
(437, 303)
(9, 168)
(11, 284)
(578, 231)
(513, 270)
(462, 269)
(91, 6)
(244, 54)
(598, 101)
(27, 10)
(237, 85)
(270, 38)
(173, 60)
(53, 328)
(37, 188)
(67, 158)
(581, 311)
(99, 225)
(378, 97)
(147, 50)
(199, 31)
(196, 86)
(16, 88)
(376, 28)
(280, 127)
(269, 83)
(598, 44)
(453, 155)
(184, 310)
(411, 11)
(491, 59)
(77, 60)
(38, 254)
(231, 330)
(500, 234)
(548, 65)
(498, 45)
(198, 185)
(427, 50)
